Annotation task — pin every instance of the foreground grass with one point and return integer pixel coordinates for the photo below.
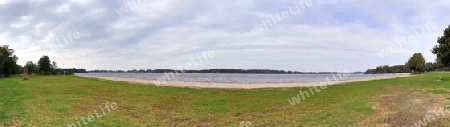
(60, 100)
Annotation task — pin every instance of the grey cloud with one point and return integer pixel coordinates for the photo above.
(169, 32)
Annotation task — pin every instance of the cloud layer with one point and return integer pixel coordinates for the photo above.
(329, 35)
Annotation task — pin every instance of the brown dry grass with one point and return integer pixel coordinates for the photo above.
(403, 107)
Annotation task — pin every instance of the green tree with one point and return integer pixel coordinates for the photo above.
(8, 61)
(17, 69)
(54, 65)
(416, 63)
(55, 69)
(32, 68)
(442, 50)
(45, 66)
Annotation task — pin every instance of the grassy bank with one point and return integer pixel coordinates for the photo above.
(59, 100)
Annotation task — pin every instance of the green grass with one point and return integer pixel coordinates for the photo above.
(59, 100)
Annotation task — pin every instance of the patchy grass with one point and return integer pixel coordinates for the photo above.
(439, 91)
(60, 100)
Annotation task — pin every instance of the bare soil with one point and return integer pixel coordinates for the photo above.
(404, 107)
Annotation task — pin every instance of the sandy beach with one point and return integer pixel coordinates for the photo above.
(242, 85)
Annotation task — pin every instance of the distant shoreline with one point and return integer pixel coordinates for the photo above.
(242, 85)
(224, 71)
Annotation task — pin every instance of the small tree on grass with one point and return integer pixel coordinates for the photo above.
(416, 63)
(45, 67)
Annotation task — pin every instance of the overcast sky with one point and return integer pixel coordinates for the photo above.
(325, 35)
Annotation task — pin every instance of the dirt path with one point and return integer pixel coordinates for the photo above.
(403, 108)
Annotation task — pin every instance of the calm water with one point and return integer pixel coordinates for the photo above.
(239, 78)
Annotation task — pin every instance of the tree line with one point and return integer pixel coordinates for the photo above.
(417, 64)
(47, 67)
(431, 66)
(388, 69)
(44, 66)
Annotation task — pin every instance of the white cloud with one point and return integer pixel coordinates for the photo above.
(20, 25)
(63, 8)
(3, 2)
(330, 35)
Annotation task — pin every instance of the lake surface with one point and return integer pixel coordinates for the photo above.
(240, 78)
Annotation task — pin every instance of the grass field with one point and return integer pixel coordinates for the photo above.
(63, 100)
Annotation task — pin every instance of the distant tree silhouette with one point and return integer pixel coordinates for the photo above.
(45, 66)
(389, 69)
(32, 68)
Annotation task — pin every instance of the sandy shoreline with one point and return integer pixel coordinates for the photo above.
(243, 86)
